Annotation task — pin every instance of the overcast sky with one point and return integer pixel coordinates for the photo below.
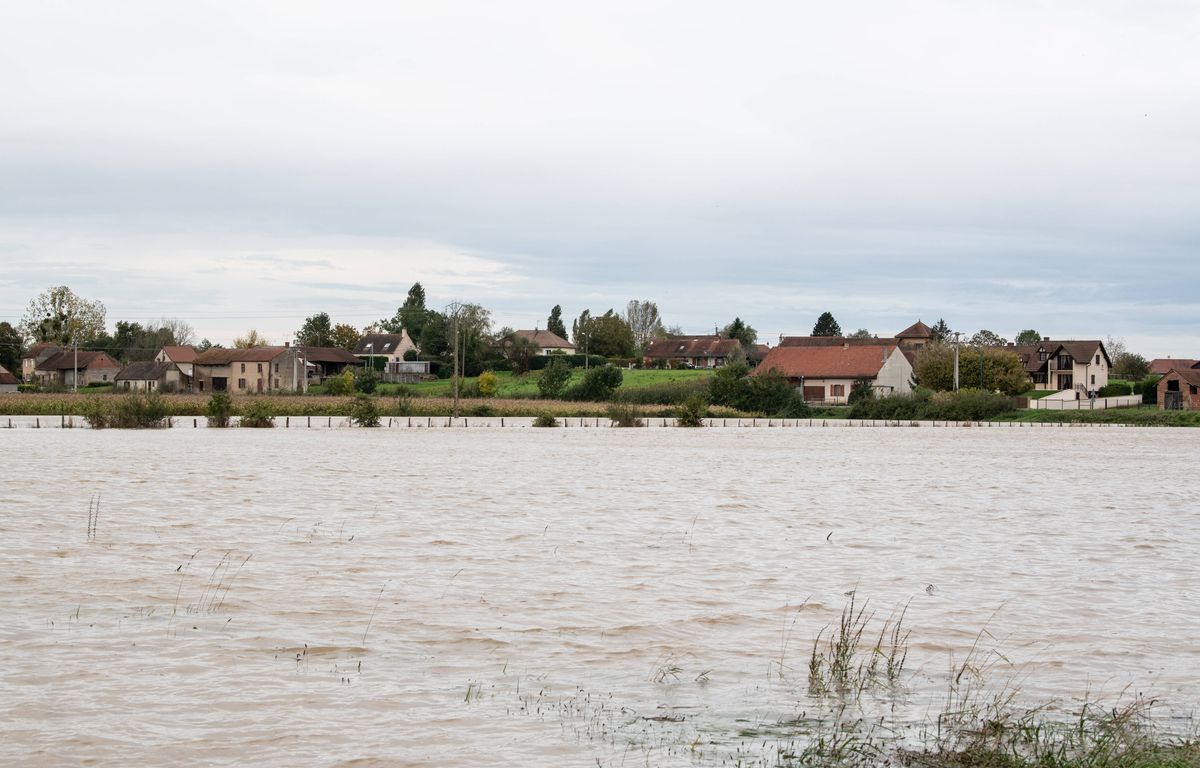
(1003, 165)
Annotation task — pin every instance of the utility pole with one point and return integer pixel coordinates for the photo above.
(956, 335)
(454, 309)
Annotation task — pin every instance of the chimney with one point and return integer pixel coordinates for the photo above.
(287, 344)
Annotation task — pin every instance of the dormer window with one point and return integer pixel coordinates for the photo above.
(1042, 355)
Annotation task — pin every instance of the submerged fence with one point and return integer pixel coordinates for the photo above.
(521, 422)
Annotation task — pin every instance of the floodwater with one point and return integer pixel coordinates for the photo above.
(562, 597)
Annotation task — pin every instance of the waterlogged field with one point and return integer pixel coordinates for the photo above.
(578, 596)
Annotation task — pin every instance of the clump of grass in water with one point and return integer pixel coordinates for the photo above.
(837, 665)
(624, 415)
(93, 517)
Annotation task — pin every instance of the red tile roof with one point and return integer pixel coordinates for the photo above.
(691, 347)
(222, 356)
(6, 377)
(545, 339)
(330, 355)
(827, 362)
(180, 354)
(1190, 375)
(917, 330)
(37, 349)
(1160, 365)
(67, 360)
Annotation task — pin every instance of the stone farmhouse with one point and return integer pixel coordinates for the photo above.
(242, 371)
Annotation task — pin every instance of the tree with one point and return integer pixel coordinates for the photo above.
(740, 331)
(1131, 367)
(59, 316)
(643, 320)
(435, 336)
(1114, 347)
(470, 326)
(488, 384)
(941, 332)
(345, 336)
(11, 346)
(182, 334)
(317, 331)
(251, 340)
(600, 383)
(609, 335)
(411, 316)
(580, 328)
(986, 338)
(517, 349)
(862, 333)
(826, 326)
(554, 323)
(134, 342)
(206, 345)
(1002, 369)
(1029, 336)
(554, 378)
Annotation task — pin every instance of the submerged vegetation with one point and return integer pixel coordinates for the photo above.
(126, 411)
(855, 711)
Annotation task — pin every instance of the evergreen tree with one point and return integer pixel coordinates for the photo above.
(826, 326)
(740, 331)
(941, 332)
(554, 323)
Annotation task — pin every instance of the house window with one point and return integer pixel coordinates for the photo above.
(260, 367)
(1042, 355)
(1173, 385)
(837, 390)
(276, 367)
(1064, 361)
(1097, 359)
(243, 367)
(105, 377)
(1192, 388)
(1093, 379)
(242, 382)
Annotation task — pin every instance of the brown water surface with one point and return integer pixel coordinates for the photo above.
(560, 597)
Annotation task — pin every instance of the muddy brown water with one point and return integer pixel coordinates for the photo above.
(561, 597)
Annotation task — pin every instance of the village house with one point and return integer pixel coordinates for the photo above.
(8, 382)
(391, 349)
(149, 376)
(546, 342)
(910, 341)
(826, 373)
(182, 357)
(1060, 365)
(389, 346)
(63, 368)
(258, 369)
(691, 351)
(1179, 389)
(323, 362)
(35, 356)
